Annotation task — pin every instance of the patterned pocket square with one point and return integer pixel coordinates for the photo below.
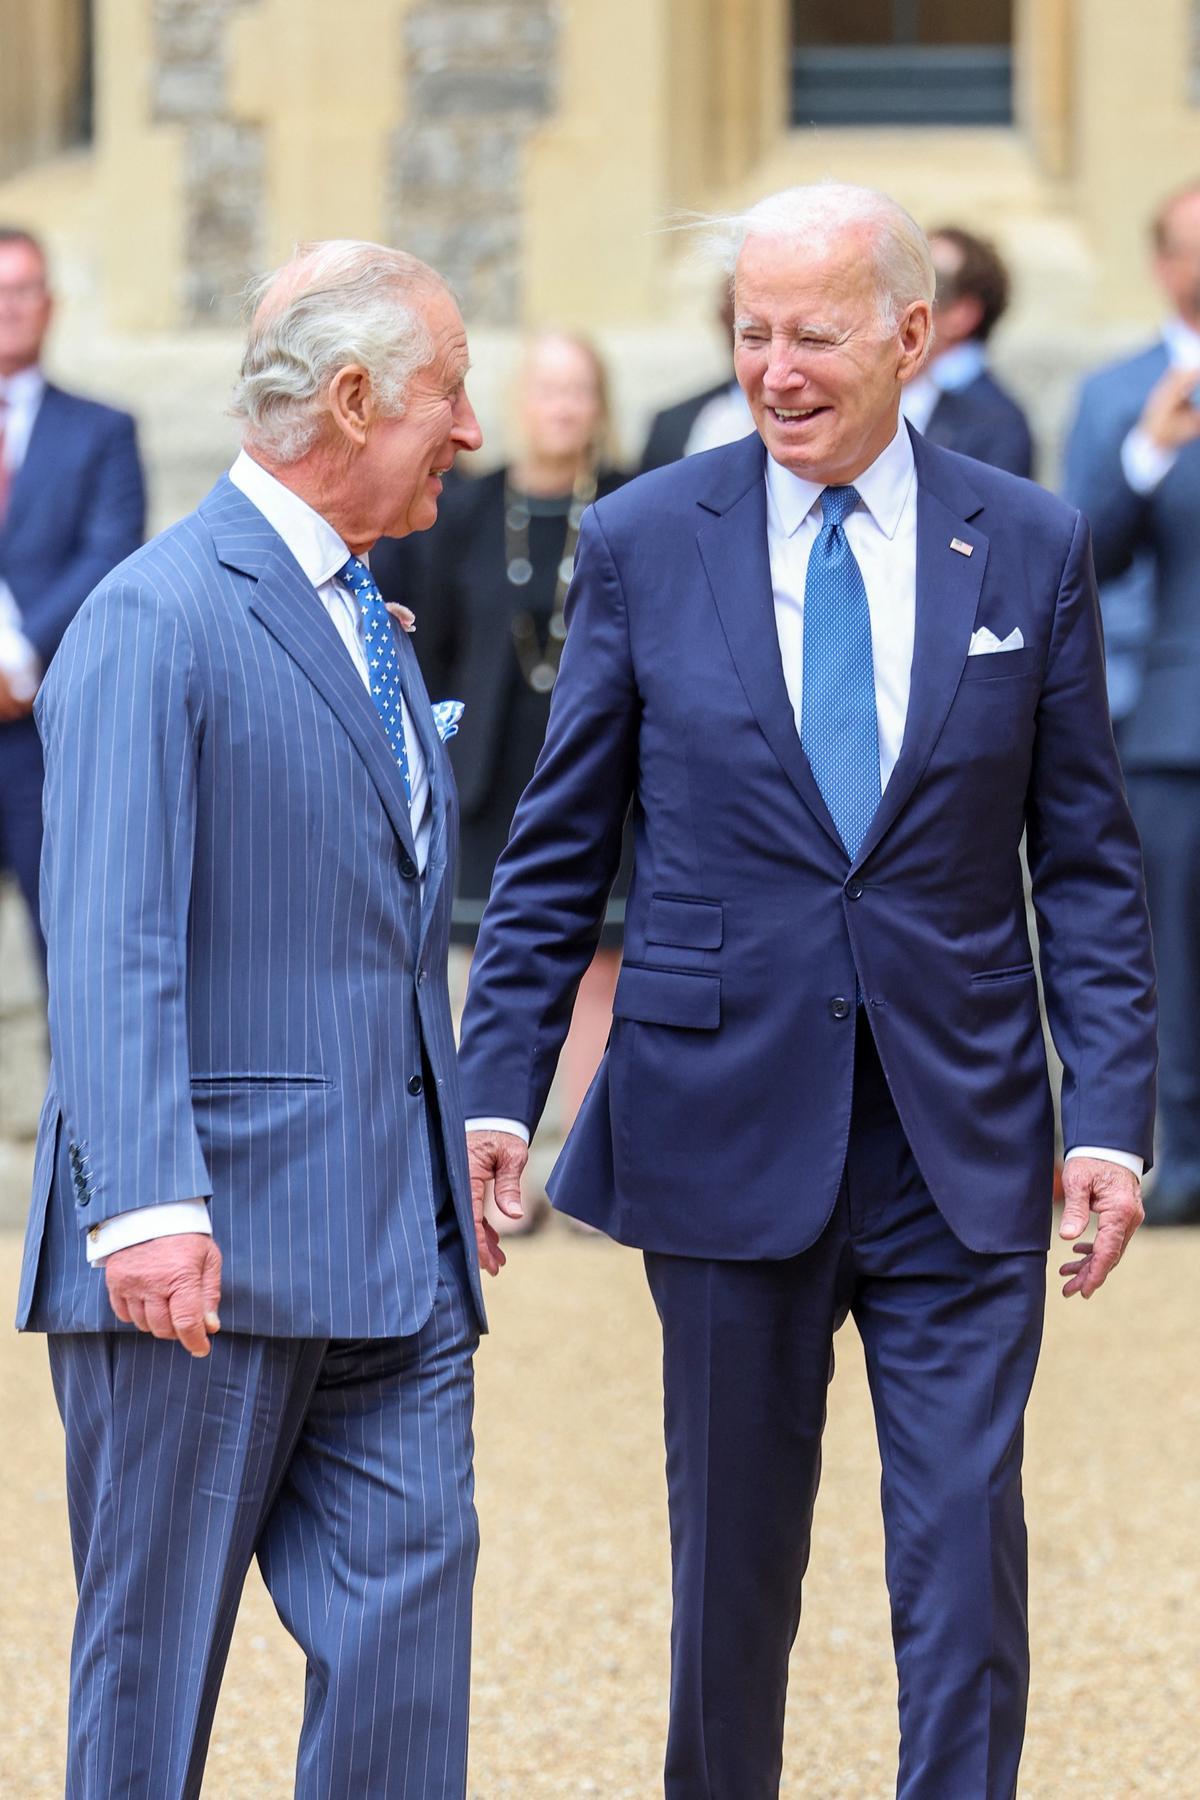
(986, 643)
(447, 716)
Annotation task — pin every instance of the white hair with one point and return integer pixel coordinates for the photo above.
(332, 303)
(814, 217)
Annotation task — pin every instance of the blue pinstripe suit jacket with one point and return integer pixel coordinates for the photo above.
(247, 978)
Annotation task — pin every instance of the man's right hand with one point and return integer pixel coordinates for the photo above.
(12, 705)
(1172, 418)
(169, 1286)
(495, 1157)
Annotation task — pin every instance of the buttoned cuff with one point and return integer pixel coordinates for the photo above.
(141, 1223)
(513, 1126)
(1124, 1159)
(1143, 462)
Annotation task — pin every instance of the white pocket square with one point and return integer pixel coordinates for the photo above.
(986, 643)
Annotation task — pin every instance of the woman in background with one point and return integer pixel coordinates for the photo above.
(487, 586)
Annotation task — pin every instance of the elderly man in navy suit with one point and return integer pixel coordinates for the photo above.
(1133, 467)
(835, 674)
(72, 504)
(251, 1238)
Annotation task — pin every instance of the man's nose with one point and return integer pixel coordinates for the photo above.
(781, 371)
(468, 434)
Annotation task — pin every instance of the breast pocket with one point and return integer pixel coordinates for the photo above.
(1002, 665)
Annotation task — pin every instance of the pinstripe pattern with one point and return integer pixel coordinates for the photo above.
(346, 1467)
(243, 978)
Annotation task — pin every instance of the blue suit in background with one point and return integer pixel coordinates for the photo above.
(76, 507)
(248, 1003)
(983, 420)
(826, 1088)
(1158, 533)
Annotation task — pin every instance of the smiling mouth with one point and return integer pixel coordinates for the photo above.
(788, 415)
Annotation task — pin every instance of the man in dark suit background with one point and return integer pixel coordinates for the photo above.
(836, 673)
(1133, 467)
(72, 505)
(956, 401)
(717, 415)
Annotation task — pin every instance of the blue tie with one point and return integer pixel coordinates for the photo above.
(838, 727)
(382, 660)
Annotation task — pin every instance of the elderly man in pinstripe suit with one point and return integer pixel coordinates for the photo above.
(251, 1239)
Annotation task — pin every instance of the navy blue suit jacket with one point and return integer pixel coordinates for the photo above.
(983, 420)
(77, 507)
(247, 979)
(1161, 529)
(717, 1125)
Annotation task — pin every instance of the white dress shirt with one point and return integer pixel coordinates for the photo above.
(948, 373)
(20, 398)
(320, 553)
(1143, 462)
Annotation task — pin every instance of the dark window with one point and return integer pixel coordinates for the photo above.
(901, 62)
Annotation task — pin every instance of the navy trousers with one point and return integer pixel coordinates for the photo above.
(345, 1467)
(951, 1340)
(1166, 810)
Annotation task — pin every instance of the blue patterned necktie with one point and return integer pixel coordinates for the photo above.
(838, 726)
(382, 659)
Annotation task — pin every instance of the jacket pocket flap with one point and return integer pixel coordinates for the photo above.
(668, 997)
(691, 924)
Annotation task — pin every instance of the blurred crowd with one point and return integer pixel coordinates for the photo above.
(487, 585)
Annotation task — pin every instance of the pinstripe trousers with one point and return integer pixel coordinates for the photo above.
(345, 1467)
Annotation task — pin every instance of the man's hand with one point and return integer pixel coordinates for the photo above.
(1114, 1194)
(1172, 418)
(170, 1286)
(12, 706)
(495, 1157)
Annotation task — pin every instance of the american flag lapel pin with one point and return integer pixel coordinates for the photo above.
(963, 549)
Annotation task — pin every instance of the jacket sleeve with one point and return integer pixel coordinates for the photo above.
(1094, 481)
(1088, 889)
(112, 528)
(121, 728)
(543, 920)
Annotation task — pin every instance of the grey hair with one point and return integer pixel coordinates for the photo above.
(814, 216)
(332, 303)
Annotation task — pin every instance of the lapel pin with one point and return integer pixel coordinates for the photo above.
(963, 549)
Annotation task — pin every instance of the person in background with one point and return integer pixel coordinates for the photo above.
(717, 415)
(72, 506)
(956, 401)
(487, 589)
(1133, 467)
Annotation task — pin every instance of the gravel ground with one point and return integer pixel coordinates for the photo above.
(572, 1615)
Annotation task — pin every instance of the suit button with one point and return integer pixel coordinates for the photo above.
(854, 890)
(839, 1007)
(415, 1084)
(408, 867)
(85, 1199)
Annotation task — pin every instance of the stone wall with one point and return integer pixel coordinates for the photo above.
(479, 76)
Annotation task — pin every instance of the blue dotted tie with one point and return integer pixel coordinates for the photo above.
(382, 660)
(838, 726)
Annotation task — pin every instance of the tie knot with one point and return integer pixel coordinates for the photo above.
(358, 578)
(837, 503)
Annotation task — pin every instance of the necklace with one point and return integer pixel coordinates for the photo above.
(539, 658)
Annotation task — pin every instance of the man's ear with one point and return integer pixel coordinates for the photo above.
(352, 403)
(915, 333)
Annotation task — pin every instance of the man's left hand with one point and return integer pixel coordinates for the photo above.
(1114, 1194)
(12, 706)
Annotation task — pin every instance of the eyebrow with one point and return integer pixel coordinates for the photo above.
(809, 327)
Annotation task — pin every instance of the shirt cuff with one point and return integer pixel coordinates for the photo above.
(1143, 462)
(1124, 1159)
(19, 661)
(513, 1126)
(141, 1223)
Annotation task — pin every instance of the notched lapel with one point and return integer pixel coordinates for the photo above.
(733, 547)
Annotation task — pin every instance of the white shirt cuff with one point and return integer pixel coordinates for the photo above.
(1143, 462)
(1124, 1159)
(19, 661)
(141, 1223)
(513, 1126)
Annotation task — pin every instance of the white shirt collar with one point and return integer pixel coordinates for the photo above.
(24, 389)
(883, 488)
(311, 539)
(957, 368)
(1183, 344)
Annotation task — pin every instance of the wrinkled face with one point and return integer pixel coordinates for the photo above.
(1177, 264)
(822, 381)
(25, 307)
(401, 465)
(559, 400)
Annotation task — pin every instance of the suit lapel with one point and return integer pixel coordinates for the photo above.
(948, 589)
(733, 547)
(283, 601)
